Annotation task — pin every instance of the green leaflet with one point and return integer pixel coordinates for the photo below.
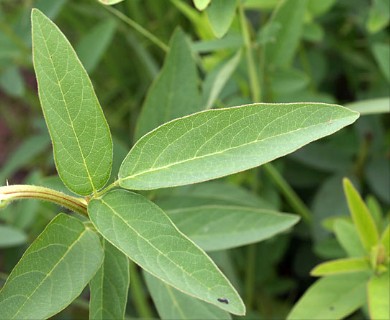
(221, 14)
(216, 143)
(332, 297)
(52, 272)
(379, 296)
(110, 285)
(147, 236)
(339, 266)
(79, 132)
(173, 304)
(223, 227)
(175, 91)
(348, 238)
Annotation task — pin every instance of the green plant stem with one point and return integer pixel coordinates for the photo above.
(253, 76)
(138, 295)
(138, 28)
(250, 275)
(106, 189)
(15, 192)
(292, 198)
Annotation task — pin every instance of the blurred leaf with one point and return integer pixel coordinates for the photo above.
(230, 41)
(224, 227)
(341, 266)
(219, 139)
(287, 80)
(126, 218)
(53, 271)
(379, 15)
(376, 212)
(221, 14)
(378, 177)
(385, 239)
(109, 286)
(361, 217)
(348, 237)
(78, 129)
(213, 86)
(313, 32)
(319, 7)
(10, 237)
(110, 2)
(94, 44)
(173, 304)
(174, 93)
(261, 4)
(381, 53)
(268, 33)
(290, 16)
(379, 296)
(201, 4)
(11, 81)
(332, 297)
(49, 7)
(372, 106)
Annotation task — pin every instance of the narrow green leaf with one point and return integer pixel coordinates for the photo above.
(379, 296)
(53, 271)
(201, 4)
(381, 53)
(79, 132)
(341, 266)
(385, 240)
(364, 223)
(10, 236)
(371, 106)
(173, 304)
(224, 227)
(110, 285)
(289, 16)
(110, 2)
(215, 143)
(146, 235)
(348, 238)
(221, 14)
(175, 91)
(332, 297)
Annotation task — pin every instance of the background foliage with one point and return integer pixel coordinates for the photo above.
(283, 51)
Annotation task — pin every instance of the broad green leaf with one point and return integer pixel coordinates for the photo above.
(79, 132)
(173, 304)
(362, 219)
(201, 4)
(379, 296)
(381, 53)
(219, 79)
(289, 16)
(341, 266)
(147, 236)
(10, 236)
(53, 271)
(175, 91)
(110, 285)
(93, 45)
(348, 238)
(216, 143)
(224, 227)
(110, 2)
(332, 297)
(372, 106)
(221, 14)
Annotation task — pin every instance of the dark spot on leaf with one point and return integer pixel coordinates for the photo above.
(223, 300)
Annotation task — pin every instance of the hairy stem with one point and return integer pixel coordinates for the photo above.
(15, 192)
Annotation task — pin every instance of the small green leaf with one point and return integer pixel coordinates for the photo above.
(175, 91)
(53, 271)
(364, 223)
(216, 143)
(221, 14)
(79, 132)
(341, 266)
(224, 227)
(110, 285)
(348, 238)
(379, 296)
(201, 4)
(147, 236)
(173, 304)
(332, 297)
(10, 236)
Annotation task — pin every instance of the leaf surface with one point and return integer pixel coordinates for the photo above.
(79, 132)
(201, 4)
(147, 236)
(223, 227)
(341, 266)
(216, 143)
(348, 238)
(110, 285)
(332, 297)
(173, 304)
(379, 296)
(221, 14)
(52, 272)
(11, 236)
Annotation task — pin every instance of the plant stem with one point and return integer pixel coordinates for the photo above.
(138, 28)
(15, 192)
(292, 198)
(138, 295)
(253, 76)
